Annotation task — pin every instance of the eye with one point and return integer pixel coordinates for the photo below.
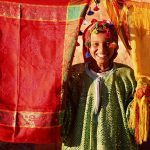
(95, 44)
(106, 44)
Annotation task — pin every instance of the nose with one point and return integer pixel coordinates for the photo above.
(102, 48)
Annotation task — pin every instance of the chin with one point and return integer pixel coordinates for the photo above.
(102, 61)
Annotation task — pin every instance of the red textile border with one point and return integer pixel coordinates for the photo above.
(51, 2)
(29, 119)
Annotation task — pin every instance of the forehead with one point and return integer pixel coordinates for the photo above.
(106, 36)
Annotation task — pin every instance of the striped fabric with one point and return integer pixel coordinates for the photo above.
(37, 42)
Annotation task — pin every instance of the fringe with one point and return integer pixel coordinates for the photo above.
(139, 119)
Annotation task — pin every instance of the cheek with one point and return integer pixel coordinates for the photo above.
(92, 49)
(111, 52)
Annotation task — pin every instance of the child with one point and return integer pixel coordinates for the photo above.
(98, 94)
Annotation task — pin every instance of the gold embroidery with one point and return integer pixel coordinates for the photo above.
(34, 12)
(30, 119)
(11, 10)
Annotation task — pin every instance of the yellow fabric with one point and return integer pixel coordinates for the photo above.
(135, 15)
(112, 12)
(139, 27)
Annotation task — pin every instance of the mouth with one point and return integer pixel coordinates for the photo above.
(101, 55)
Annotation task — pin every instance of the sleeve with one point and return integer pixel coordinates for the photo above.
(68, 111)
(133, 85)
(131, 98)
(72, 96)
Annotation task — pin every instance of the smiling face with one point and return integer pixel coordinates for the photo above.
(100, 49)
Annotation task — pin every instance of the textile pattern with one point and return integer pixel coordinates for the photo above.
(37, 42)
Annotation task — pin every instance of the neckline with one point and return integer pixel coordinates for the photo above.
(95, 75)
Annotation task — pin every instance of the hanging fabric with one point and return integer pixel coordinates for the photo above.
(37, 42)
(118, 15)
(139, 25)
(133, 22)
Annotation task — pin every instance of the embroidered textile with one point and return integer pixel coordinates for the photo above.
(37, 42)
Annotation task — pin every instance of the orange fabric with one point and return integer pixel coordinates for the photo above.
(117, 14)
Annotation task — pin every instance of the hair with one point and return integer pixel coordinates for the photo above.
(96, 27)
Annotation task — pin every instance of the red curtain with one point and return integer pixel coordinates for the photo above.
(37, 42)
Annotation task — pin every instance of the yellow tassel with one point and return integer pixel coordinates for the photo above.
(143, 119)
(140, 120)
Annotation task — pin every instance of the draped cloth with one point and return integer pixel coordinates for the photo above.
(134, 17)
(139, 25)
(37, 42)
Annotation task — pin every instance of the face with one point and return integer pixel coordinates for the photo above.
(99, 49)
